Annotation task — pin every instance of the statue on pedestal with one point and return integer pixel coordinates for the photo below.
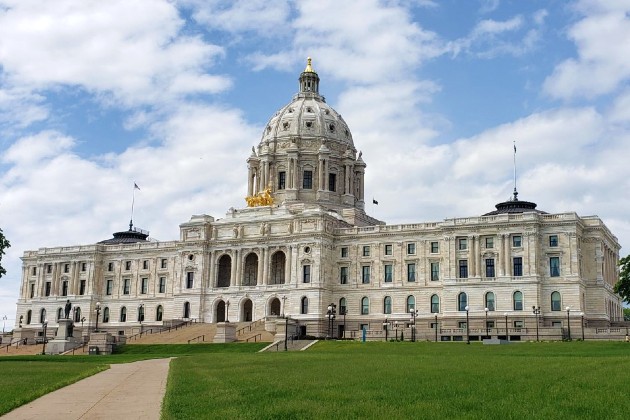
(67, 309)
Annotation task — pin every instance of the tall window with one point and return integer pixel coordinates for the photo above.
(343, 275)
(127, 265)
(307, 180)
(388, 249)
(435, 271)
(365, 278)
(389, 273)
(411, 249)
(489, 267)
(304, 305)
(365, 306)
(411, 272)
(435, 247)
(123, 314)
(110, 266)
(462, 301)
(159, 313)
(190, 279)
(162, 286)
(306, 274)
(64, 288)
(517, 241)
(126, 286)
(66, 268)
(387, 305)
(553, 240)
(145, 264)
(110, 287)
(32, 290)
(462, 244)
(42, 316)
(554, 266)
(411, 303)
(555, 301)
(47, 290)
(332, 182)
(59, 313)
(144, 285)
(518, 266)
(435, 304)
(106, 314)
(82, 287)
(163, 263)
(518, 301)
(344, 252)
(29, 316)
(140, 313)
(282, 180)
(490, 242)
(463, 269)
(342, 306)
(490, 301)
(77, 314)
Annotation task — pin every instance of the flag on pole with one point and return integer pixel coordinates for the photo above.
(515, 146)
(374, 201)
(135, 186)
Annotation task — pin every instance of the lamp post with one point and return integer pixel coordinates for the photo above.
(284, 299)
(507, 336)
(343, 312)
(227, 311)
(487, 329)
(330, 313)
(4, 320)
(286, 330)
(385, 324)
(568, 323)
(98, 312)
(414, 315)
(467, 326)
(436, 328)
(44, 327)
(536, 310)
(396, 327)
(582, 323)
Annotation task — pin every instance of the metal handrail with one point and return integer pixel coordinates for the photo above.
(203, 338)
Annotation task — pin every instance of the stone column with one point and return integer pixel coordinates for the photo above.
(233, 268)
(259, 268)
(265, 277)
(239, 266)
(287, 266)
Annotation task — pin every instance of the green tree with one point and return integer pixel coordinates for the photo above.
(4, 244)
(622, 288)
(626, 314)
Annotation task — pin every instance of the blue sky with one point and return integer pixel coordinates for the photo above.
(173, 94)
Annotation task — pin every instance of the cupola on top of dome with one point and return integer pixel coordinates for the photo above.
(307, 115)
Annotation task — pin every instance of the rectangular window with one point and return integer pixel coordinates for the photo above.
(332, 182)
(47, 291)
(162, 286)
(463, 269)
(190, 277)
(32, 292)
(83, 266)
(435, 271)
(388, 249)
(82, 287)
(49, 268)
(126, 286)
(144, 285)
(344, 252)
(489, 242)
(411, 249)
(462, 244)
(110, 266)
(411, 272)
(282, 179)
(307, 180)
(145, 264)
(306, 274)
(66, 268)
(489, 267)
(365, 277)
(389, 273)
(553, 240)
(64, 288)
(110, 287)
(554, 266)
(366, 251)
(518, 324)
(461, 324)
(163, 263)
(343, 275)
(517, 241)
(518, 267)
(127, 265)
(33, 271)
(435, 247)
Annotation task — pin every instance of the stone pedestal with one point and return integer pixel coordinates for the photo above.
(284, 325)
(101, 343)
(64, 340)
(226, 333)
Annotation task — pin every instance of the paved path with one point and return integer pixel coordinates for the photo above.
(125, 391)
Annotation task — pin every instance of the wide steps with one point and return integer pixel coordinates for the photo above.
(199, 332)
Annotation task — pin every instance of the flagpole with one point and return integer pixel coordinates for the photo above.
(515, 193)
(133, 201)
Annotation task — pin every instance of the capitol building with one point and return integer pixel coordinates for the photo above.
(303, 247)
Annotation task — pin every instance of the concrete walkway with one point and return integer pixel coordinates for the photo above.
(126, 391)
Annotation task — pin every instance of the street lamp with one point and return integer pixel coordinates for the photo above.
(414, 315)
(396, 327)
(4, 320)
(467, 326)
(343, 311)
(568, 322)
(487, 329)
(98, 312)
(436, 328)
(330, 313)
(44, 327)
(227, 311)
(385, 324)
(536, 310)
(284, 300)
(507, 336)
(286, 329)
(582, 323)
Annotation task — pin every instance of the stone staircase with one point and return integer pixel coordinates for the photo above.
(203, 333)
(292, 345)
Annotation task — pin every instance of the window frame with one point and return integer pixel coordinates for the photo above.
(517, 302)
(365, 305)
(343, 275)
(411, 272)
(435, 306)
(365, 274)
(517, 266)
(388, 276)
(517, 241)
(462, 268)
(435, 247)
(462, 301)
(307, 179)
(553, 241)
(554, 266)
(306, 273)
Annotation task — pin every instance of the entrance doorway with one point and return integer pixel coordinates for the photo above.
(248, 309)
(220, 315)
(274, 307)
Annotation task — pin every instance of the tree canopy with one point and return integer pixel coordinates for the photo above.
(622, 288)
(4, 244)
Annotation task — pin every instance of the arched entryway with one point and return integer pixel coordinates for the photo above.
(274, 307)
(220, 312)
(278, 262)
(248, 310)
(186, 310)
(250, 273)
(225, 271)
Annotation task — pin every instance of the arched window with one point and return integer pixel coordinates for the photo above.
(59, 313)
(42, 316)
(435, 304)
(490, 301)
(518, 301)
(250, 271)
(123, 314)
(187, 310)
(555, 301)
(140, 313)
(278, 262)
(462, 301)
(29, 316)
(225, 271)
(159, 313)
(304, 305)
(77, 314)
(365, 306)
(105, 315)
(342, 306)
(387, 305)
(411, 303)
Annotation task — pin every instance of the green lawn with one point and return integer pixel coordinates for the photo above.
(361, 380)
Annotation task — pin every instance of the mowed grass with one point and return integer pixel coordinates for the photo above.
(405, 380)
